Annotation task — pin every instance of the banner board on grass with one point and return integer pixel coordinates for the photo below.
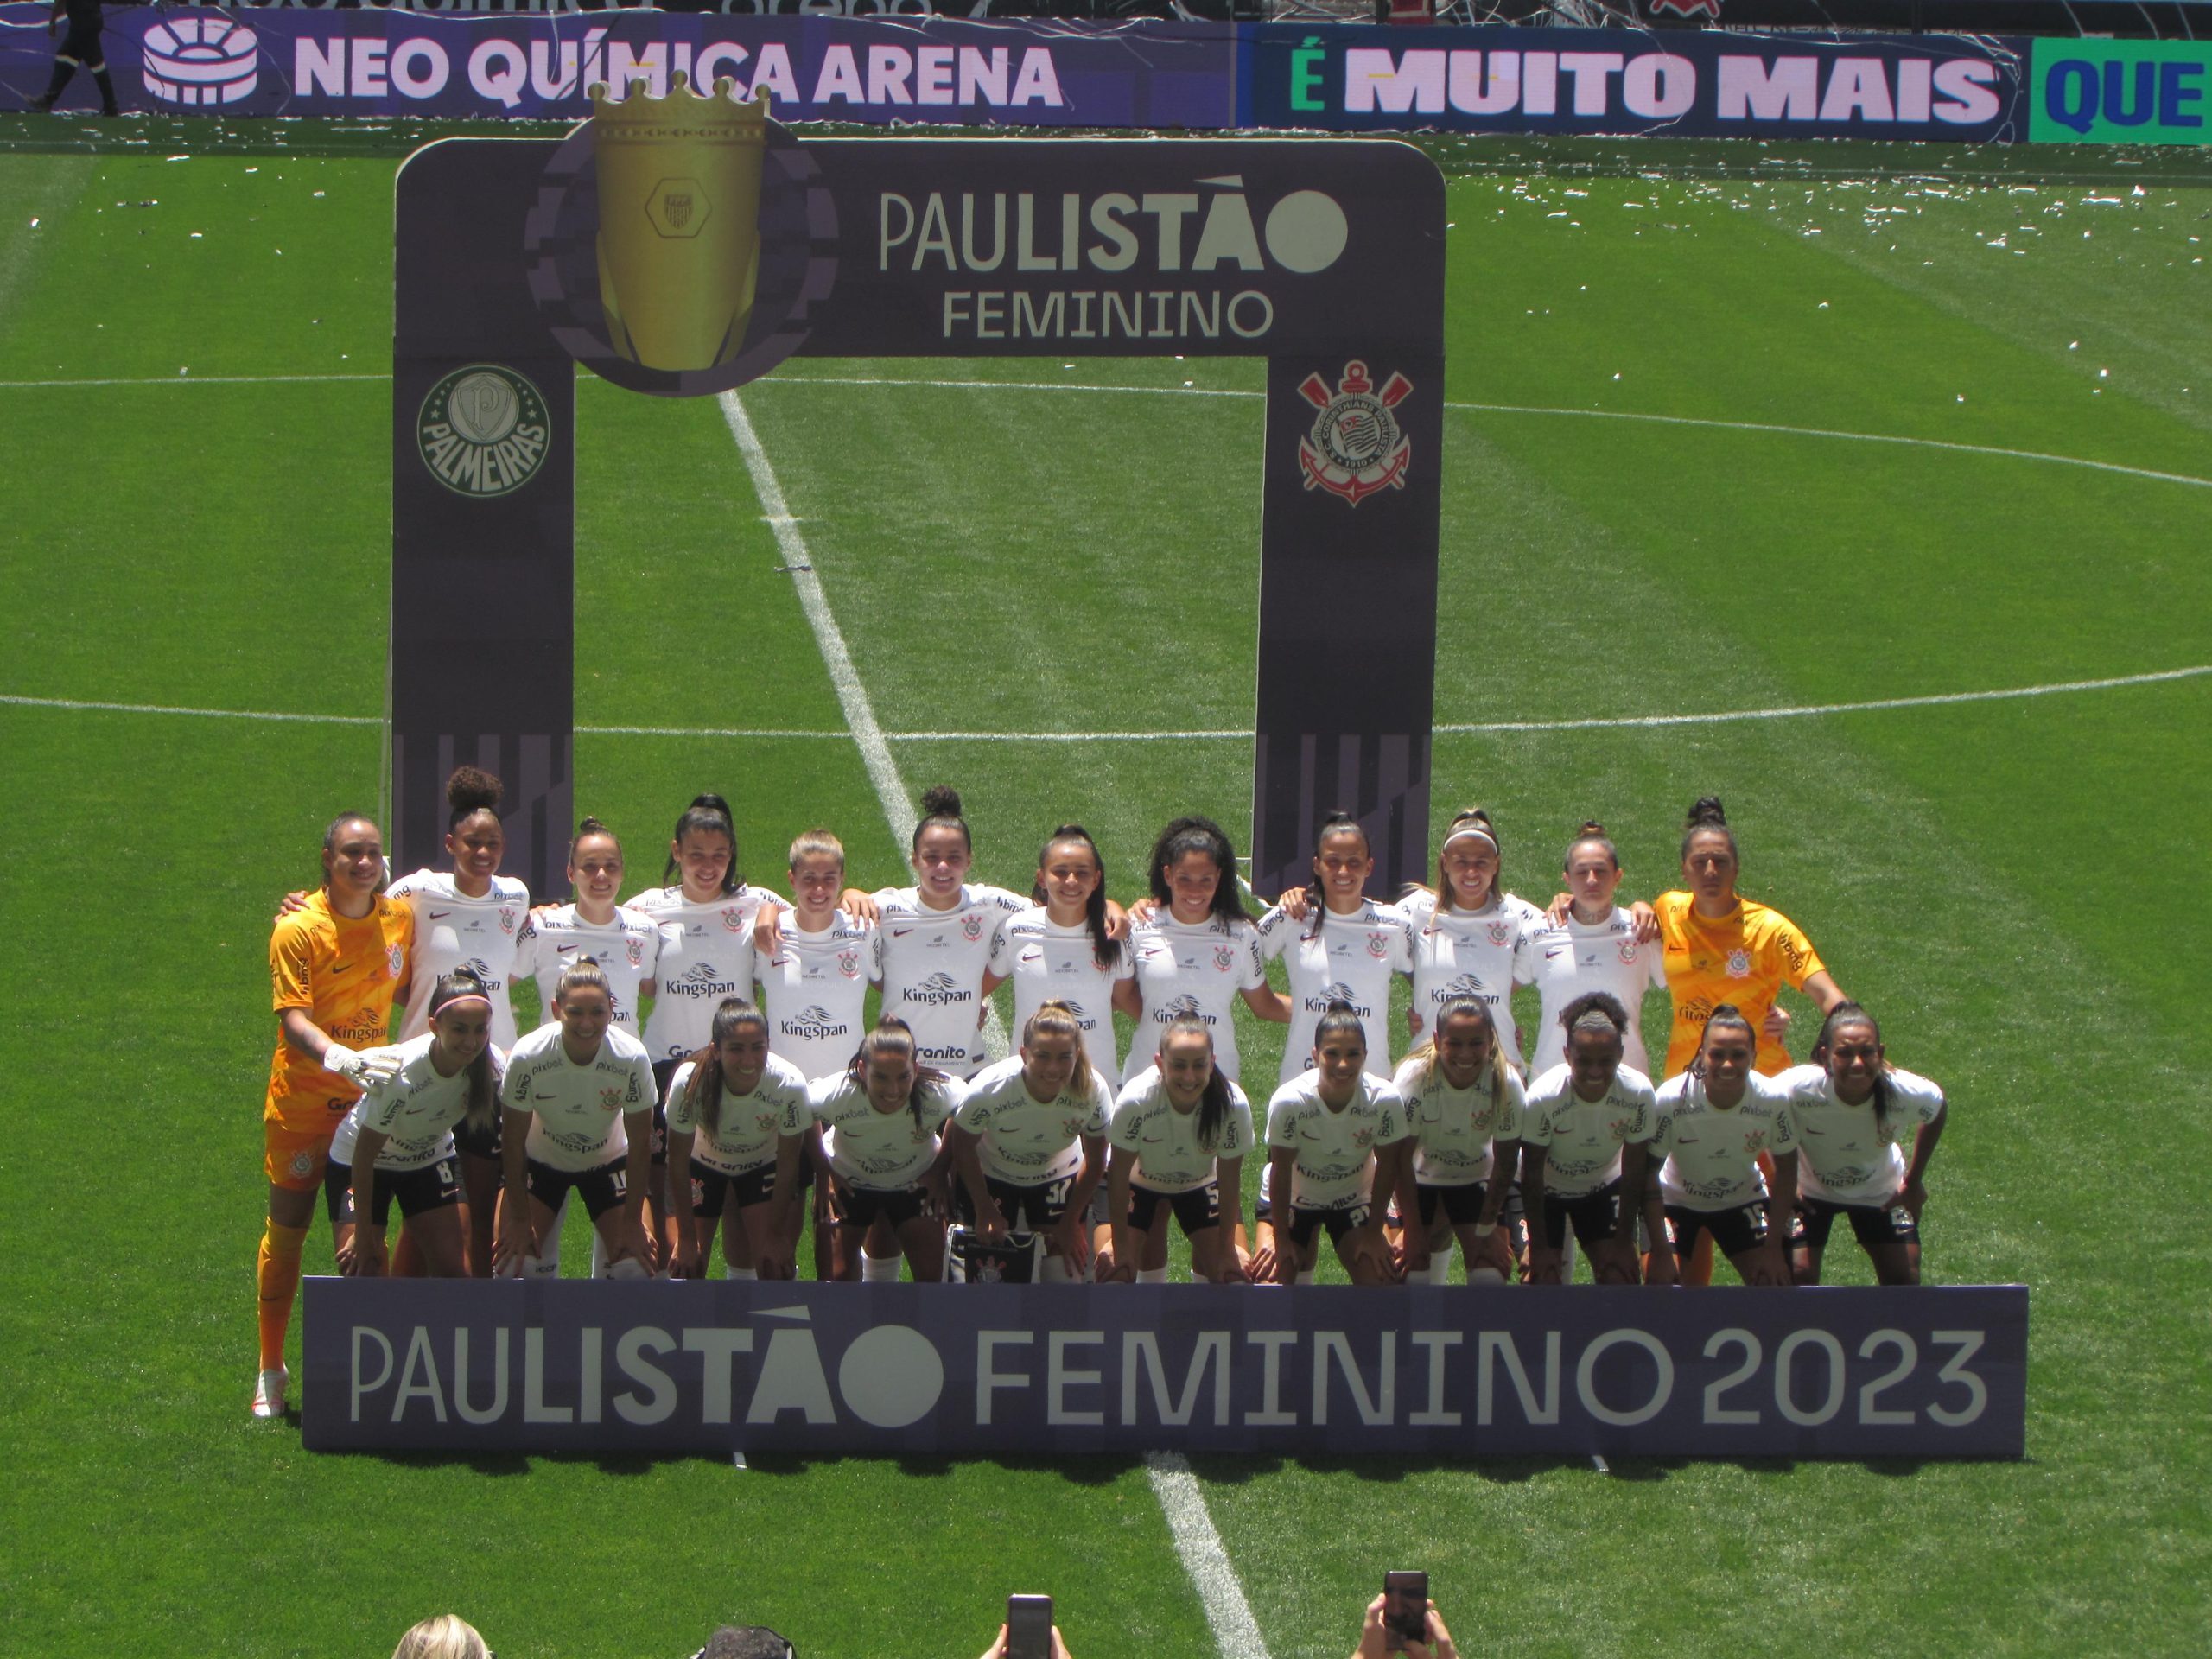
(2122, 93)
(471, 1366)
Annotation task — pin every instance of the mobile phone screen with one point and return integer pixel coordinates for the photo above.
(1028, 1627)
(1405, 1607)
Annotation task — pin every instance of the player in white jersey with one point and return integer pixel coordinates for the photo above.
(1585, 1140)
(1464, 1106)
(728, 1111)
(1028, 1143)
(1714, 1121)
(624, 943)
(1336, 1132)
(578, 1103)
(1179, 1133)
(1467, 933)
(1851, 1110)
(880, 1120)
(1347, 949)
(1060, 950)
(1195, 950)
(1596, 946)
(815, 978)
(397, 1142)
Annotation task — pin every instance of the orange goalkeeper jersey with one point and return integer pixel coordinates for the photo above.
(1744, 957)
(345, 973)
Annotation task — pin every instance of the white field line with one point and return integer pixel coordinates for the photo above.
(1183, 1503)
(1627, 722)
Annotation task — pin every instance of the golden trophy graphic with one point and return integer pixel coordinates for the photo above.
(679, 231)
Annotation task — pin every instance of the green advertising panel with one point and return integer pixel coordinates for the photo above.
(2121, 92)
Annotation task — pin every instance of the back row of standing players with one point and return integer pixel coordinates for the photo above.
(937, 949)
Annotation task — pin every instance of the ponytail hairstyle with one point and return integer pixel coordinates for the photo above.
(1467, 821)
(941, 806)
(1591, 833)
(708, 814)
(1104, 951)
(588, 825)
(892, 1035)
(469, 792)
(583, 974)
(1335, 821)
(483, 1098)
(1214, 1103)
(1705, 813)
(1184, 836)
(1724, 1013)
(1463, 1007)
(1336, 1019)
(704, 1088)
(1850, 1014)
(1057, 1019)
(1595, 1011)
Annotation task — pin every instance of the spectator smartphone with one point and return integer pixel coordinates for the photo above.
(1029, 1627)
(1405, 1607)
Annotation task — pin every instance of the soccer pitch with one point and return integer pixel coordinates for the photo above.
(1867, 487)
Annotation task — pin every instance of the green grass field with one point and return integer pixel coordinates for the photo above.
(1732, 429)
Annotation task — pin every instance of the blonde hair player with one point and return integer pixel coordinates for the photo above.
(1464, 1106)
(1468, 932)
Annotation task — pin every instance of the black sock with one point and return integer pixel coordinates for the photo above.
(63, 69)
(107, 90)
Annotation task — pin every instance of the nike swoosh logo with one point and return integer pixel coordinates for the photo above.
(339, 967)
(561, 947)
(439, 915)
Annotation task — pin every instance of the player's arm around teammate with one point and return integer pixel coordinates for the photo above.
(728, 1107)
(1467, 932)
(335, 965)
(1585, 1139)
(1065, 949)
(1714, 1122)
(1333, 1135)
(1348, 949)
(1594, 945)
(1179, 1133)
(1463, 1107)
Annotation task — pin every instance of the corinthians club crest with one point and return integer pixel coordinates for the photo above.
(1355, 449)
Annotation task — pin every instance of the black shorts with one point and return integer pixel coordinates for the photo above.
(1195, 1210)
(1738, 1228)
(1027, 1209)
(1871, 1223)
(710, 1188)
(1338, 1218)
(486, 1145)
(858, 1206)
(1463, 1205)
(433, 1186)
(1594, 1214)
(601, 1189)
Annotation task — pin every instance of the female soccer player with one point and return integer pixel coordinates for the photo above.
(578, 1103)
(1594, 947)
(1467, 932)
(815, 975)
(727, 1109)
(334, 965)
(1715, 1120)
(1029, 1141)
(397, 1143)
(1346, 950)
(1196, 950)
(1335, 1134)
(1851, 1110)
(1179, 1133)
(624, 943)
(881, 1116)
(1060, 950)
(1464, 1106)
(1584, 1144)
(1720, 947)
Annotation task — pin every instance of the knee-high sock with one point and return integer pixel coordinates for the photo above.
(277, 1269)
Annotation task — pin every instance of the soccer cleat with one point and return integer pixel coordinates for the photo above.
(268, 1392)
(43, 104)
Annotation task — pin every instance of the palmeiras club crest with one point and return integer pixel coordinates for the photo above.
(1355, 449)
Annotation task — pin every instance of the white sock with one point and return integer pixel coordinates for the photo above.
(745, 1273)
(878, 1271)
(1479, 1275)
(1054, 1270)
(1151, 1276)
(1566, 1259)
(1439, 1266)
(599, 1256)
(629, 1267)
(1307, 1277)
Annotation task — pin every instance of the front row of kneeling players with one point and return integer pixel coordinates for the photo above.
(1019, 1149)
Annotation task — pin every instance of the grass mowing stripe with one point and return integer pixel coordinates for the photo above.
(1199, 1545)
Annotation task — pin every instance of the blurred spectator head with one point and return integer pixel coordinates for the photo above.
(446, 1637)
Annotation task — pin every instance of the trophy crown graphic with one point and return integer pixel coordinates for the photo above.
(679, 220)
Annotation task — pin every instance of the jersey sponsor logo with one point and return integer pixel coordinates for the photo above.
(437, 915)
(1338, 992)
(1355, 448)
(901, 932)
(1168, 1012)
(700, 979)
(849, 964)
(1739, 964)
(814, 1022)
(483, 431)
(938, 990)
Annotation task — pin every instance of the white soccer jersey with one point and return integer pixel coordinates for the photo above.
(627, 948)
(1193, 967)
(744, 1136)
(1471, 953)
(1565, 961)
(1026, 1141)
(1166, 1141)
(933, 963)
(414, 1111)
(706, 954)
(1713, 1151)
(453, 930)
(1841, 1155)
(1050, 963)
(815, 991)
(1349, 959)
(1336, 1149)
(1582, 1138)
(576, 1111)
(1454, 1129)
(882, 1151)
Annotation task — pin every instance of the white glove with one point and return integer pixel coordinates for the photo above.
(367, 1070)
